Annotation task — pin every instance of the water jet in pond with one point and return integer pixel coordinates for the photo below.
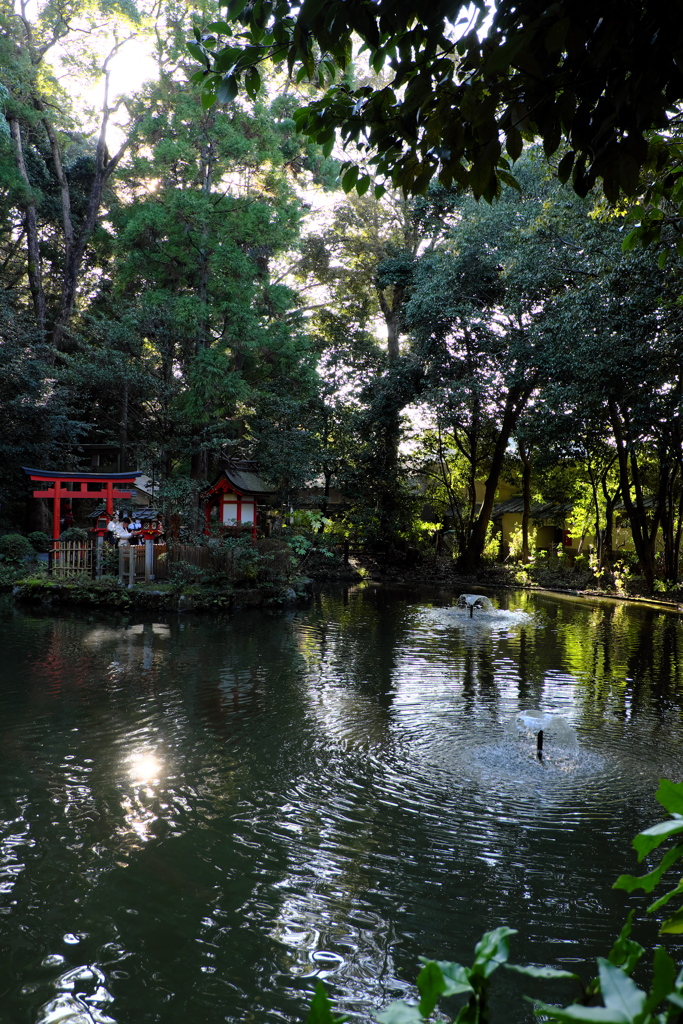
(546, 724)
(472, 601)
(515, 760)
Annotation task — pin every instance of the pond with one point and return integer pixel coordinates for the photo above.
(199, 817)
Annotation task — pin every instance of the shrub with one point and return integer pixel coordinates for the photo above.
(9, 574)
(491, 553)
(74, 533)
(110, 560)
(15, 548)
(183, 573)
(516, 543)
(39, 541)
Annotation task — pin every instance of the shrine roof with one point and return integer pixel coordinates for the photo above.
(77, 474)
(540, 511)
(243, 477)
(247, 481)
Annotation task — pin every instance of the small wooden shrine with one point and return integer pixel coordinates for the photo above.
(236, 493)
(70, 485)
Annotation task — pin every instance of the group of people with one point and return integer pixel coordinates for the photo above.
(124, 530)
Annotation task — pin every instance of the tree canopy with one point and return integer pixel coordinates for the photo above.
(458, 96)
(196, 286)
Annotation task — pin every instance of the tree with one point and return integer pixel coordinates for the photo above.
(577, 462)
(365, 261)
(62, 164)
(624, 370)
(36, 424)
(209, 209)
(481, 328)
(601, 77)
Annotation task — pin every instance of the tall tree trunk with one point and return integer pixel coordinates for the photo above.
(35, 275)
(76, 244)
(677, 537)
(74, 262)
(525, 456)
(390, 433)
(516, 399)
(610, 503)
(599, 537)
(206, 166)
(123, 429)
(454, 504)
(325, 500)
(671, 525)
(643, 534)
(199, 465)
(67, 221)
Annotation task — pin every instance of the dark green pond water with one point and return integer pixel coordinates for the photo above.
(199, 817)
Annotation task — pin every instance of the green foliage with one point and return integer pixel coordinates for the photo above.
(422, 533)
(211, 208)
(305, 536)
(442, 978)
(15, 548)
(40, 541)
(110, 560)
(179, 496)
(36, 425)
(12, 573)
(516, 543)
(183, 574)
(229, 562)
(74, 533)
(623, 576)
(320, 1010)
(447, 98)
(246, 561)
(670, 796)
(205, 318)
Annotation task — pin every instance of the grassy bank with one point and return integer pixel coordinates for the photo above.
(107, 592)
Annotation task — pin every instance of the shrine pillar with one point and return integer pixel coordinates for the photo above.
(56, 510)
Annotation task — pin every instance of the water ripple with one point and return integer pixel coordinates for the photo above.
(199, 819)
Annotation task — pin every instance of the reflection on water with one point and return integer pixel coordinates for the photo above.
(200, 818)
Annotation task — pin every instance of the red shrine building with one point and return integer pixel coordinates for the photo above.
(235, 495)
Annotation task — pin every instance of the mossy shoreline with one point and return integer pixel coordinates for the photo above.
(297, 591)
(109, 593)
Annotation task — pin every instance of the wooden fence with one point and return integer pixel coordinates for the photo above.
(139, 562)
(239, 564)
(165, 558)
(149, 561)
(72, 558)
(205, 559)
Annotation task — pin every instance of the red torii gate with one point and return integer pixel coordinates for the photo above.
(82, 485)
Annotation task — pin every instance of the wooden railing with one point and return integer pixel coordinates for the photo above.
(72, 558)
